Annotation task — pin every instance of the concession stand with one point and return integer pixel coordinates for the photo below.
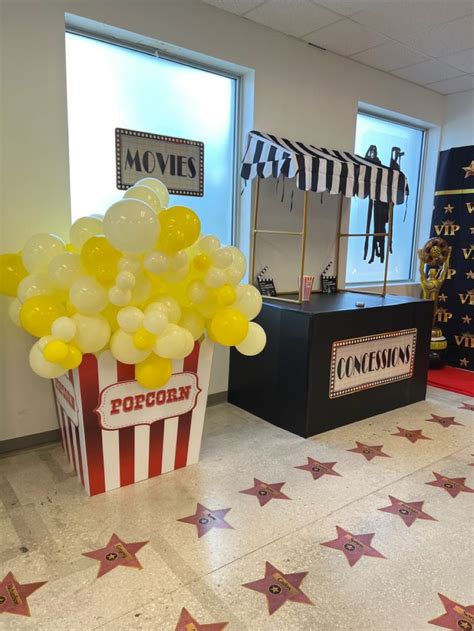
(337, 357)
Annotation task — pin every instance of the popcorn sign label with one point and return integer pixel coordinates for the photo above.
(127, 404)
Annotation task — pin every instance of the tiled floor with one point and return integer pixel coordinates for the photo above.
(47, 523)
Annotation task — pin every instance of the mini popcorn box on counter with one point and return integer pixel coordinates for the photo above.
(115, 432)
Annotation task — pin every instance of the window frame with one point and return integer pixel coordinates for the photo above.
(417, 220)
(154, 51)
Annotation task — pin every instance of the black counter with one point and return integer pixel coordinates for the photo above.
(289, 383)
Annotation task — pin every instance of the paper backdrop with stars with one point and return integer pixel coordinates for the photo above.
(453, 220)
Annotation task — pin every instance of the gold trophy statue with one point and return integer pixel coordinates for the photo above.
(436, 253)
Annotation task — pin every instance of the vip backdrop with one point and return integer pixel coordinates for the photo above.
(453, 220)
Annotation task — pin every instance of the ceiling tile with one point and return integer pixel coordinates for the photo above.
(427, 72)
(445, 39)
(235, 6)
(389, 56)
(344, 7)
(297, 17)
(402, 19)
(346, 38)
(462, 61)
(450, 86)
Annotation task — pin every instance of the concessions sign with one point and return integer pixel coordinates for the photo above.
(177, 162)
(367, 362)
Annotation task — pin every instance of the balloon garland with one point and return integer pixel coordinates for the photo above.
(140, 281)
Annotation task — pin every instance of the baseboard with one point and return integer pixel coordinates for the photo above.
(33, 440)
(216, 398)
(54, 435)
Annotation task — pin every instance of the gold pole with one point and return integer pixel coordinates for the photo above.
(389, 245)
(303, 247)
(338, 242)
(254, 230)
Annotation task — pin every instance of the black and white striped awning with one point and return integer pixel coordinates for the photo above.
(317, 169)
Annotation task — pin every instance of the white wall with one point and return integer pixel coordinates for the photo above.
(300, 92)
(458, 128)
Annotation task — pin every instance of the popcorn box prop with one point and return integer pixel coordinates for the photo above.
(115, 432)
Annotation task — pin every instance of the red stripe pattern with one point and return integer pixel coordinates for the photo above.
(126, 372)
(184, 423)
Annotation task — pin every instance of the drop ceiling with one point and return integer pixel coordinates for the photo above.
(428, 42)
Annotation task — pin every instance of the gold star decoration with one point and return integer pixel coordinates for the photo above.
(470, 274)
(448, 208)
(442, 298)
(464, 362)
(469, 170)
(466, 319)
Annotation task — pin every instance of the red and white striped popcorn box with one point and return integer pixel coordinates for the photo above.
(115, 432)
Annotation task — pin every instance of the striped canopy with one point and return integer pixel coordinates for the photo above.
(317, 169)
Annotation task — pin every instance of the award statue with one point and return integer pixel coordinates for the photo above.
(436, 254)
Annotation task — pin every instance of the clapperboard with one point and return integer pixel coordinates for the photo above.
(266, 285)
(328, 283)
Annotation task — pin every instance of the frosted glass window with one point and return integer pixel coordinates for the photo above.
(110, 86)
(386, 134)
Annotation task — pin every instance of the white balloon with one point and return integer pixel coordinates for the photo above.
(125, 280)
(85, 228)
(155, 321)
(193, 322)
(130, 264)
(34, 285)
(254, 342)
(222, 257)
(119, 297)
(41, 366)
(249, 301)
(215, 278)
(173, 310)
(156, 306)
(92, 333)
(208, 244)
(239, 261)
(40, 250)
(159, 188)
(14, 309)
(87, 295)
(131, 226)
(179, 260)
(234, 275)
(145, 194)
(156, 262)
(130, 319)
(197, 291)
(64, 269)
(174, 343)
(64, 329)
(124, 350)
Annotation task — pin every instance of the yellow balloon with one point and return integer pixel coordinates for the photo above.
(38, 314)
(202, 262)
(180, 228)
(226, 295)
(110, 314)
(229, 327)
(12, 271)
(143, 339)
(100, 259)
(153, 372)
(73, 359)
(56, 351)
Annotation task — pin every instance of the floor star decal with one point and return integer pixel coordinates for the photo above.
(318, 469)
(456, 617)
(353, 546)
(466, 406)
(205, 519)
(444, 421)
(14, 595)
(453, 486)
(412, 434)
(265, 492)
(116, 553)
(408, 511)
(369, 451)
(279, 587)
(187, 623)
